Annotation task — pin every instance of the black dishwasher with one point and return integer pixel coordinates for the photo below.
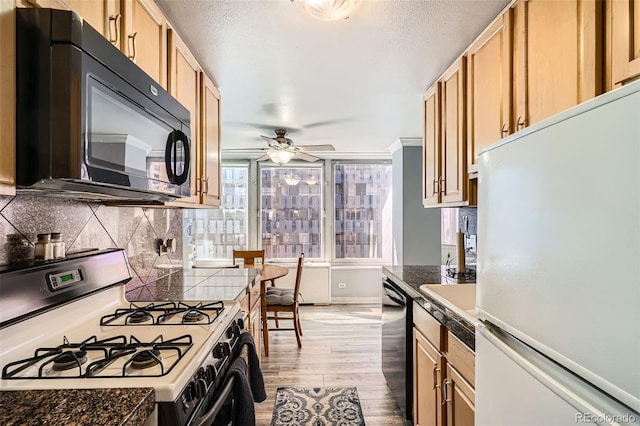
(397, 353)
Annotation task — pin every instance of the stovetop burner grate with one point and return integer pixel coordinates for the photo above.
(163, 314)
(133, 355)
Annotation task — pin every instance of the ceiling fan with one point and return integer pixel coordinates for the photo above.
(281, 149)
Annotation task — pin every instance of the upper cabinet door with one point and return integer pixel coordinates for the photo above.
(103, 15)
(431, 146)
(210, 134)
(563, 54)
(8, 95)
(145, 38)
(625, 44)
(184, 85)
(453, 175)
(489, 88)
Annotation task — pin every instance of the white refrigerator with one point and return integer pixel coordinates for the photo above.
(558, 275)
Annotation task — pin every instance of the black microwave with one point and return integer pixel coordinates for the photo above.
(90, 123)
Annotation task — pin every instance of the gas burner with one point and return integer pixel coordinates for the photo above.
(138, 317)
(68, 360)
(193, 316)
(145, 359)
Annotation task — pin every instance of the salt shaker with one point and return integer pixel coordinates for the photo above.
(43, 249)
(58, 245)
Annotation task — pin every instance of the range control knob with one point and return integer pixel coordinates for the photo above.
(221, 350)
(240, 323)
(211, 373)
(201, 388)
(229, 332)
(190, 393)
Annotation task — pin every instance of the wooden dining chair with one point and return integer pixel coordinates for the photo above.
(279, 300)
(249, 257)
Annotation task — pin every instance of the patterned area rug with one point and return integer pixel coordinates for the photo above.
(317, 407)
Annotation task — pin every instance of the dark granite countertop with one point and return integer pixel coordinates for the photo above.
(77, 407)
(411, 277)
(197, 284)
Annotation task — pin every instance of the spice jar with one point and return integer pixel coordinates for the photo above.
(58, 245)
(43, 249)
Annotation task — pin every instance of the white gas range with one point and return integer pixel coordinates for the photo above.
(67, 325)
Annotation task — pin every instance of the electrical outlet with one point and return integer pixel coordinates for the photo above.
(342, 285)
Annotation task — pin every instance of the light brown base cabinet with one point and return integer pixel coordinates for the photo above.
(444, 375)
(250, 306)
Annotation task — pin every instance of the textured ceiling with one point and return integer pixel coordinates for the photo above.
(278, 67)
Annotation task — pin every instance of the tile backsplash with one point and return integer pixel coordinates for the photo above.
(93, 226)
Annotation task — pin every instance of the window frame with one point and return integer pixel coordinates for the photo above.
(320, 164)
(331, 233)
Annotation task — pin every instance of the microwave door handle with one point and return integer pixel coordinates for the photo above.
(171, 157)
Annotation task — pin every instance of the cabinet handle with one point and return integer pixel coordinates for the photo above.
(443, 187)
(205, 183)
(520, 123)
(504, 131)
(444, 392)
(435, 184)
(435, 376)
(116, 26)
(132, 42)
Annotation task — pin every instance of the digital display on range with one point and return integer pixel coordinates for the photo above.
(63, 279)
(67, 277)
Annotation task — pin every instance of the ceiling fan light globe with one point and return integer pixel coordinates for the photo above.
(329, 10)
(280, 156)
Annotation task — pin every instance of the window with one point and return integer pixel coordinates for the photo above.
(362, 217)
(214, 233)
(291, 211)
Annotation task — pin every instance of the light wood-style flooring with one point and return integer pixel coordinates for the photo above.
(340, 347)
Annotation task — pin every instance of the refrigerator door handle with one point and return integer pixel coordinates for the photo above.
(575, 391)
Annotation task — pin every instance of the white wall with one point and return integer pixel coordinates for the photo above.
(363, 284)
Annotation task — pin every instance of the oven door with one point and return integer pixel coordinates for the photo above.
(222, 404)
(128, 139)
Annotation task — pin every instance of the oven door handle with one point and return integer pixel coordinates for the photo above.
(209, 417)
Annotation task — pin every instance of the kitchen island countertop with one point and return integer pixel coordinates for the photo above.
(77, 407)
(411, 277)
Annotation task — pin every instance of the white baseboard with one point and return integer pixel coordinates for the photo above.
(350, 300)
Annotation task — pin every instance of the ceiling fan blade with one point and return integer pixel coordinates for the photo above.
(307, 148)
(244, 149)
(271, 141)
(326, 123)
(306, 157)
(263, 158)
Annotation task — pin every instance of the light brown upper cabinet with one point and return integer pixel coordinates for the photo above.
(489, 88)
(444, 162)
(624, 20)
(453, 173)
(431, 146)
(557, 56)
(103, 15)
(8, 95)
(184, 85)
(210, 143)
(193, 89)
(144, 38)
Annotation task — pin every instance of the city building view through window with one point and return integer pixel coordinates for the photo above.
(291, 211)
(362, 211)
(215, 233)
